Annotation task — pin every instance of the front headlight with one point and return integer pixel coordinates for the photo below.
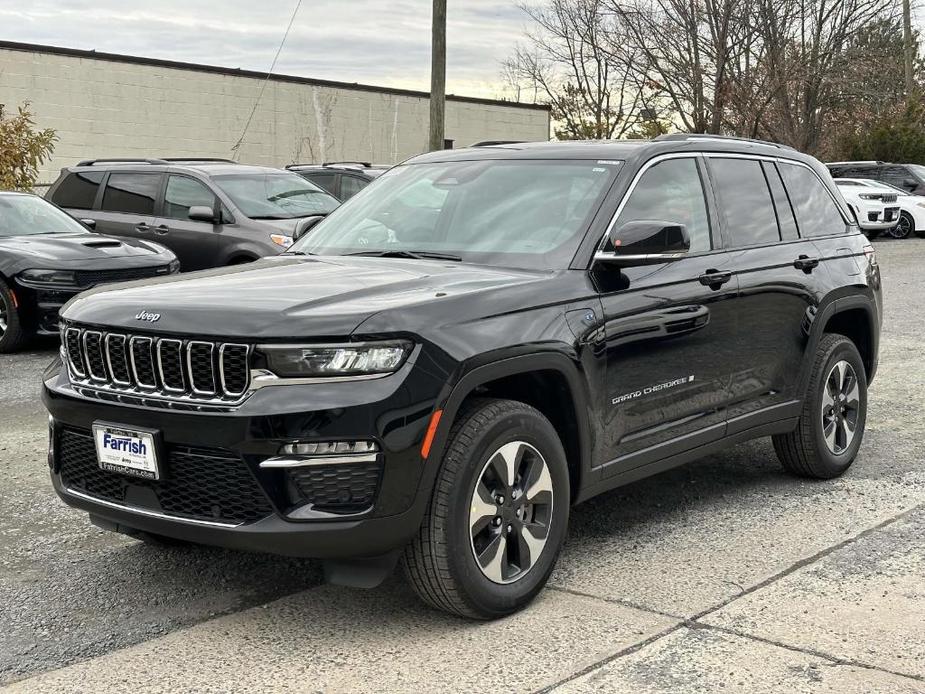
(293, 361)
(281, 240)
(869, 196)
(49, 276)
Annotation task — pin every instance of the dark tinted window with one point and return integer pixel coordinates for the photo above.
(322, 180)
(351, 185)
(184, 193)
(898, 176)
(671, 191)
(816, 211)
(785, 218)
(131, 192)
(746, 201)
(78, 190)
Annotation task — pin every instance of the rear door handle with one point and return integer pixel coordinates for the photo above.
(714, 279)
(142, 227)
(161, 229)
(805, 263)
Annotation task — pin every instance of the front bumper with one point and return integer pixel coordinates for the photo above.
(382, 410)
(878, 217)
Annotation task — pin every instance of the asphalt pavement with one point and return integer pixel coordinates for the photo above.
(724, 575)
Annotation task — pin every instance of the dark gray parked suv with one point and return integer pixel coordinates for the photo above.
(209, 212)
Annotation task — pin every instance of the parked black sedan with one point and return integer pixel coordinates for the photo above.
(47, 256)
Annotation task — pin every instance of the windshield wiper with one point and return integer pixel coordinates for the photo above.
(417, 255)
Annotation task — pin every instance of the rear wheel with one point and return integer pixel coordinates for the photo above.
(831, 426)
(498, 515)
(12, 332)
(904, 227)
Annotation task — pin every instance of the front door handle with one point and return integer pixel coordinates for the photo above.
(161, 229)
(805, 263)
(714, 279)
(142, 227)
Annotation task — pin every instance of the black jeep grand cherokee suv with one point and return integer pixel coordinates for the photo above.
(463, 351)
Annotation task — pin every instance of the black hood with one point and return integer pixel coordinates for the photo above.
(288, 296)
(78, 251)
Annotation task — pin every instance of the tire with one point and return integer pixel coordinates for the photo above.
(806, 451)
(12, 333)
(904, 228)
(920, 234)
(441, 564)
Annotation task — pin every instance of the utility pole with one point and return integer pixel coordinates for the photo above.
(908, 48)
(437, 76)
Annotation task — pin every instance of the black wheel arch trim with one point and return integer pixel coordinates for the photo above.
(825, 313)
(452, 397)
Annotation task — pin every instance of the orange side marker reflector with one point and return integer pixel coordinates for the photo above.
(431, 431)
(15, 300)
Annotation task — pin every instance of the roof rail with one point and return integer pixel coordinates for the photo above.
(853, 163)
(494, 143)
(121, 160)
(218, 160)
(356, 163)
(675, 137)
(292, 166)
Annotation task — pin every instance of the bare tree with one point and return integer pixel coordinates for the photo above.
(572, 60)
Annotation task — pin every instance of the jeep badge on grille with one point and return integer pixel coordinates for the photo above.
(150, 317)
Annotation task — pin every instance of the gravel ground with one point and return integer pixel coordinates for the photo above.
(726, 574)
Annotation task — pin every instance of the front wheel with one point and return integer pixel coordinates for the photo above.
(904, 227)
(12, 332)
(498, 515)
(831, 425)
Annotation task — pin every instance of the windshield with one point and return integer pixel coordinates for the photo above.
(276, 195)
(26, 215)
(918, 170)
(523, 213)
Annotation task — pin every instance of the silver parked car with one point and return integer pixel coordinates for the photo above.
(209, 212)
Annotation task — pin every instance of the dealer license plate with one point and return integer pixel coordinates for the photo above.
(126, 451)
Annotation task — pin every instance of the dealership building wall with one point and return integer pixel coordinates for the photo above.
(104, 105)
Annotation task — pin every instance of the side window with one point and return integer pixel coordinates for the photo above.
(672, 191)
(785, 218)
(131, 192)
(351, 185)
(183, 193)
(896, 176)
(745, 199)
(78, 190)
(816, 211)
(323, 180)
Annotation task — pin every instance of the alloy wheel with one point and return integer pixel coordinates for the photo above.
(840, 407)
(903, 228)
(4, 317)
(511, 512)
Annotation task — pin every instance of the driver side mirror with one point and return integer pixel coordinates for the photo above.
(89, 223)
(646, 242)
(201, 213)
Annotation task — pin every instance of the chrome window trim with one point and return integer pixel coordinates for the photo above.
(131, 353)
(108, 352)
(730, 155)
(189, 366)
(221, 368)
(146, 512)
(160, 364)
(94, 377)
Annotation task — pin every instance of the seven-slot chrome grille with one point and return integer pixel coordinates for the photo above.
(171, 368)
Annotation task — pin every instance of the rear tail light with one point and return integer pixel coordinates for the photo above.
(870, 254)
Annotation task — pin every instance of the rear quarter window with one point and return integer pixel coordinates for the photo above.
(815, 210)
(78, 190)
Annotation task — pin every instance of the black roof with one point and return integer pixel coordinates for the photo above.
(217, 69)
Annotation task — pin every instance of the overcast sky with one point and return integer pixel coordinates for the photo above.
(382, 42)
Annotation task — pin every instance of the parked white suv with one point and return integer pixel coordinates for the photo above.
(911, 206)
(875, 209)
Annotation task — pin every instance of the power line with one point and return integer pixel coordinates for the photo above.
(237, 145)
